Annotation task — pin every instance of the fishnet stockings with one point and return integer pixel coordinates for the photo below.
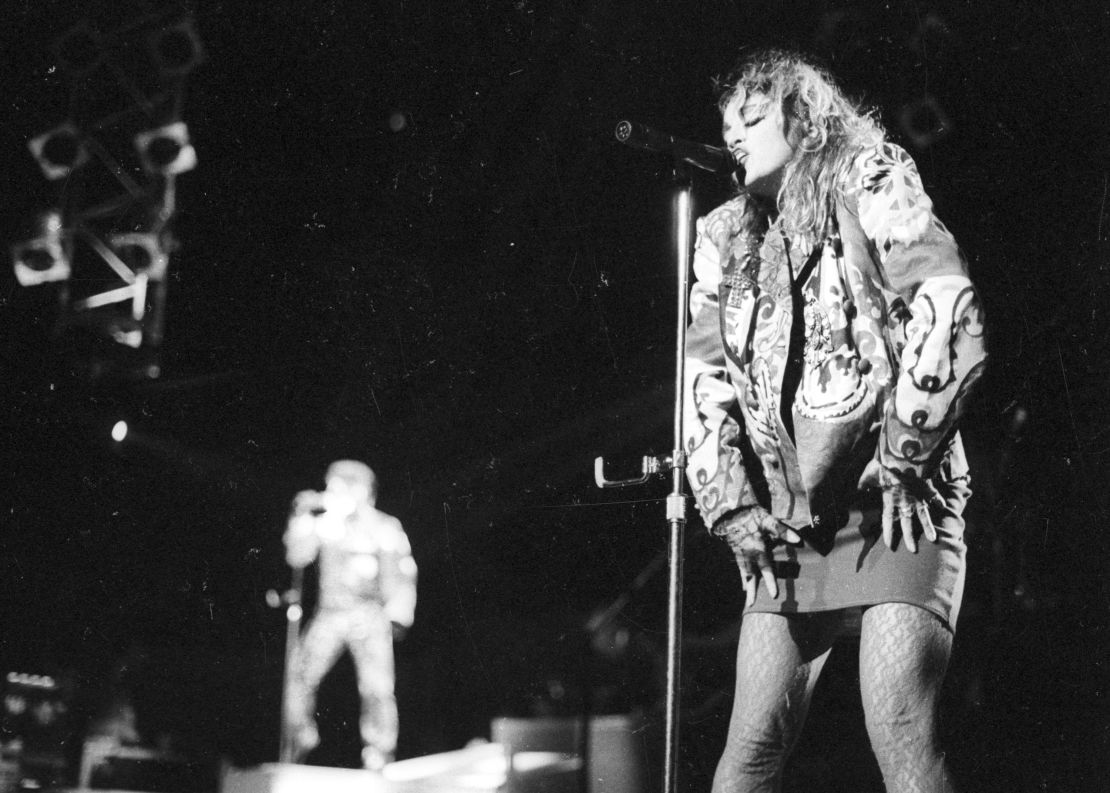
(903, 655)
(778, 662)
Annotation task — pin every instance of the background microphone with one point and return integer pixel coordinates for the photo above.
(708, 158)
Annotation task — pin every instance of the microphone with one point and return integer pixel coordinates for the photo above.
(700, 155)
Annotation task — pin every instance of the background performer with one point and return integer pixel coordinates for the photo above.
(367, 594)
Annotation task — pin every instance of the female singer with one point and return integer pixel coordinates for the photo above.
(834, 335)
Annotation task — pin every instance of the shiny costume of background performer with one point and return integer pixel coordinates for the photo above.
(367, 593)
(834, 335)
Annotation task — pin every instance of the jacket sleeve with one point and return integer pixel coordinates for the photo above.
(399, 577)
(934, 316)
(713, 433)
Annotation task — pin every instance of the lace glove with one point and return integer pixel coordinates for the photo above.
(751, 533)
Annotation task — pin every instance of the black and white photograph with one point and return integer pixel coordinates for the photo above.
(506, 396)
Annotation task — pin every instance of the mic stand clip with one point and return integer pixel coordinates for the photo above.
(649, 467)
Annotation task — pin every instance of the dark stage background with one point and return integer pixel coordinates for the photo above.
(478, 304)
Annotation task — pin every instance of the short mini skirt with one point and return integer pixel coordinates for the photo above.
(851, 566)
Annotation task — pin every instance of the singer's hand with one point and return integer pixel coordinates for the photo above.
(307, 501)
(751, 534)
(906, 498)
(899, 502)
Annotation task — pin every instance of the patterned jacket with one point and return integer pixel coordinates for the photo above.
(807, 370)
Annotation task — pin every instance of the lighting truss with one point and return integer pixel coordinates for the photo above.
(114, 157)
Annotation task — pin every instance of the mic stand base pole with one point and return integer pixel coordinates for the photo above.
(674, 654)
(293, 613)
(676, 501)
(676, 464)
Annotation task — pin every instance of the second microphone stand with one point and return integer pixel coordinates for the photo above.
(675, 464)
(291, 599)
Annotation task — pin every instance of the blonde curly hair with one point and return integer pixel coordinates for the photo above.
(834, 131)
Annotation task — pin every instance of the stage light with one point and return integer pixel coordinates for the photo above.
(58, 151)
(925, 122)
(79, 50)
(42, 259)
(166, 150)
(142, 253)
(30, 681)
(39, 261)
(397, 121)
(119, 431)
(177, 49)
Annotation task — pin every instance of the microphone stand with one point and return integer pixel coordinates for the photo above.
(676, 465)
(291, 599)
